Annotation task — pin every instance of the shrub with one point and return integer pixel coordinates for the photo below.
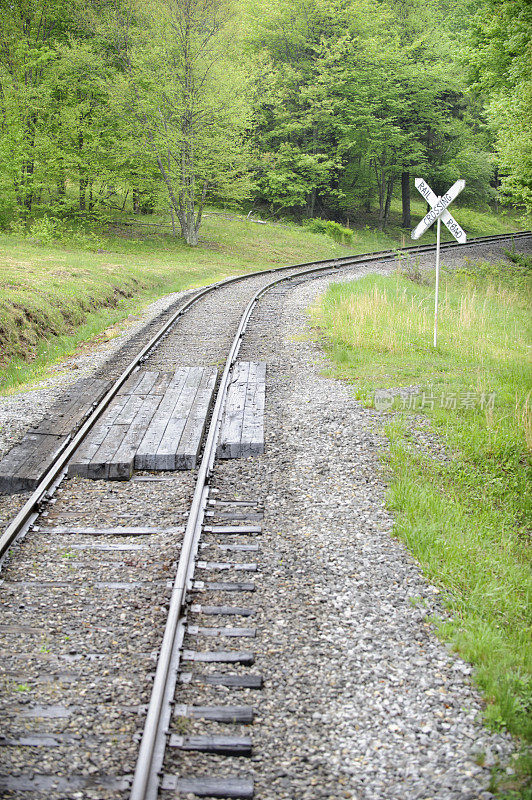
(338, 232)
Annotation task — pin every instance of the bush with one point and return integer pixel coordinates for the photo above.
(49, 230)
(338, 232)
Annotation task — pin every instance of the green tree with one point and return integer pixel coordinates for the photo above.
(355, 95)
(31, 33)
(500, 60)
(58, 123)
(187, 90)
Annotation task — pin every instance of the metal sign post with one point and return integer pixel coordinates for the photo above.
(439, 213)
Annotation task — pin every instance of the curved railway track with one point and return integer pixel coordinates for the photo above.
(28, 514)
(196, 500)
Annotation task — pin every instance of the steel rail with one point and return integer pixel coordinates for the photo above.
(145, 782)
(28, 514)
(52, 478)
(150, 759)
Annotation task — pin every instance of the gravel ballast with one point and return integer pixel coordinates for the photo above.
(361, 700)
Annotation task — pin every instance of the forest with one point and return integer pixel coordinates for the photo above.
(302, 108)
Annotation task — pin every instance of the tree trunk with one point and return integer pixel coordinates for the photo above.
(173, 221)
(405, 199)
(83, 183)
(381, 185)
(382, 202)
(389, 193)
(83, 180)
(61, 185)
(28, 164)
(311, 203)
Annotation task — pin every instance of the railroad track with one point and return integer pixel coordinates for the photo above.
(140, 527)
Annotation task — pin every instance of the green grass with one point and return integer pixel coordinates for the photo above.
(61, 288)
(466, 518)
(55, 295)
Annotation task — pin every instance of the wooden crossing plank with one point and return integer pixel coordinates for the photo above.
(189, 445)
(253, 425)
(155, 423)
(146, 382)
(145, 457)
(242, 431)
(80, 463)
(165, 457)
(120, 467)
(97, 467)
(231, 430)
(26, 463)
(67, 413)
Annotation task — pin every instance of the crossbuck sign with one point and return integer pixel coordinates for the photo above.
(439, 213)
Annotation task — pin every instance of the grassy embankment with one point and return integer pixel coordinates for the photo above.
(465, 518)
(59, 290)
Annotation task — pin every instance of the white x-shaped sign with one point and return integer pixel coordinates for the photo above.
(439, 209)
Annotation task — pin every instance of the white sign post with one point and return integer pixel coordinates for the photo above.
(439, 213)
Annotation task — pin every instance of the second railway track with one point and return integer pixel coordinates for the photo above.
(106, 566)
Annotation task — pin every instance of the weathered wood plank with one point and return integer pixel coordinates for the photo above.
(67, 413)
(226, 566)
(121, 465)
(219, 586)
(232, 529)
(146, 382)
(196, 608)
(156, 422)
(189, 445)
(125, 531)
(220, 745)
(145, 457)
(220, 657)
(223, 787)
(242, 430)
(227, 714)
(81, 460)
(98, 466)
(165, 456)
(233, 681)
(253, 425)
(198, 630)
(231, 429)
(25, 464)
